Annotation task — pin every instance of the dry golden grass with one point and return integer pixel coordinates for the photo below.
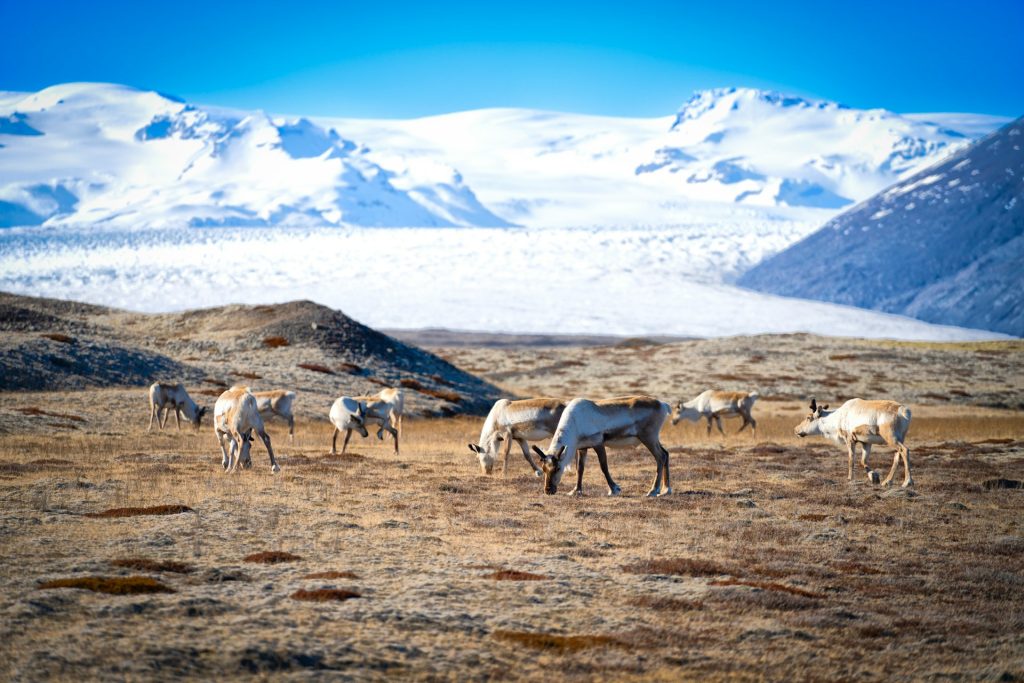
(765, 564)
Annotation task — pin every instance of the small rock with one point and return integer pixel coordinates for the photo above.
(956, 505)
(746, 503)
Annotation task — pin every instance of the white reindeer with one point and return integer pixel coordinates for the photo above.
(865, 423)
(277, 402)
(714, 405)
(235, 416)
(520, 421)
(346, 414)
(164, 396)
(621, 421)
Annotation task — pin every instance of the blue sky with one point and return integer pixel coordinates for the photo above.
(403, 59)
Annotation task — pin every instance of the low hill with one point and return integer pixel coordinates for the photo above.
(61, 345)
(945, 245)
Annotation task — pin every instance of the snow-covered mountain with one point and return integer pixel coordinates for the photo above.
(104, 154)
(91, 153)
(761, 153)
(945, 245)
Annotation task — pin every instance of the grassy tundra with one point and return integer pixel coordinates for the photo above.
(765, 562)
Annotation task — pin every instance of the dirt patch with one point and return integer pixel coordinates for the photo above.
(513, 575)
(147, 565)
(555, 643)
(141, 511)
(314, 367)
(58, 337)
(325, 595)
(272, 557)
(34, 411)
(275, 342)
(331, 575)
(682, 566)
(112, 585)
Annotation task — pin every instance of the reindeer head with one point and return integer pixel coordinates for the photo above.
(245, 457)
(199, 417)
(681, 412)
(488, 453)
(553, 468)
(359, 418)
(810, 424)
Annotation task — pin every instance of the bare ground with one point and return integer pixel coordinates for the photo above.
(765, 563)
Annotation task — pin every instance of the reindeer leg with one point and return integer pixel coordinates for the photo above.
(602, 459)
(850, 446)
(655, 448)
(161, 416)
(581, 462)
(892, 470)
(274, 467)
(709, 418)
(753, 425)
(291, 428)
(718, 421)
(393, 432)
(905, 454)
(152, 413)
(223, 451)
(526, 454)
(744, 425)
(177, 417)
(344, 444)
(504, 460)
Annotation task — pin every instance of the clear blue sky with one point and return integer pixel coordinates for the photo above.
(402, 59)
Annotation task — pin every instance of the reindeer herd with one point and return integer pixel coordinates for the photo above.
(574, 427)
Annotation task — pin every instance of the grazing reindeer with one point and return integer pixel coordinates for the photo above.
(520, 421)
(395, 398)
(163, 396)
(278, 402)
(235, 416)
(866, 423)
(713, 405)
(594, 424)
(346, 414)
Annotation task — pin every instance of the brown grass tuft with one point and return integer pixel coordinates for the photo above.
(513, 575)
(32, 410)
(272, 557)
(656, 602)
(331, 575)
(147, 565)
(58, 337)
(314, 367)
(768, 586)
(137, 512)
(556, 643)
(350, 368)
(114, 585)
(681, 566)
(247, 375)
(325, 595)
(275, 342)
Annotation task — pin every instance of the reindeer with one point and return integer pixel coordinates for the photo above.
(162, 396)
(277, 402)
(594, 424)
(381, 409)
(713, 405)
(865, 423)
(235, 416)
(347, 414)
(520, 421)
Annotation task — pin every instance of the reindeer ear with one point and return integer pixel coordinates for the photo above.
(560, 452)
(825, 407)
(473, 447)
(814, 405)
(540, 452)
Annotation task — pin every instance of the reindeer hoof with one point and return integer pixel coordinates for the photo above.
(666, 492)
(614, 491)
(874, 477)
(654, 493)
(538, 473)
(276, 468)
(576, 493)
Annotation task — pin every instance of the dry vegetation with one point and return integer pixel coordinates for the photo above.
(765, 564)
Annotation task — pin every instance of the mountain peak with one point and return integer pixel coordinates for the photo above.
(725, 100)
